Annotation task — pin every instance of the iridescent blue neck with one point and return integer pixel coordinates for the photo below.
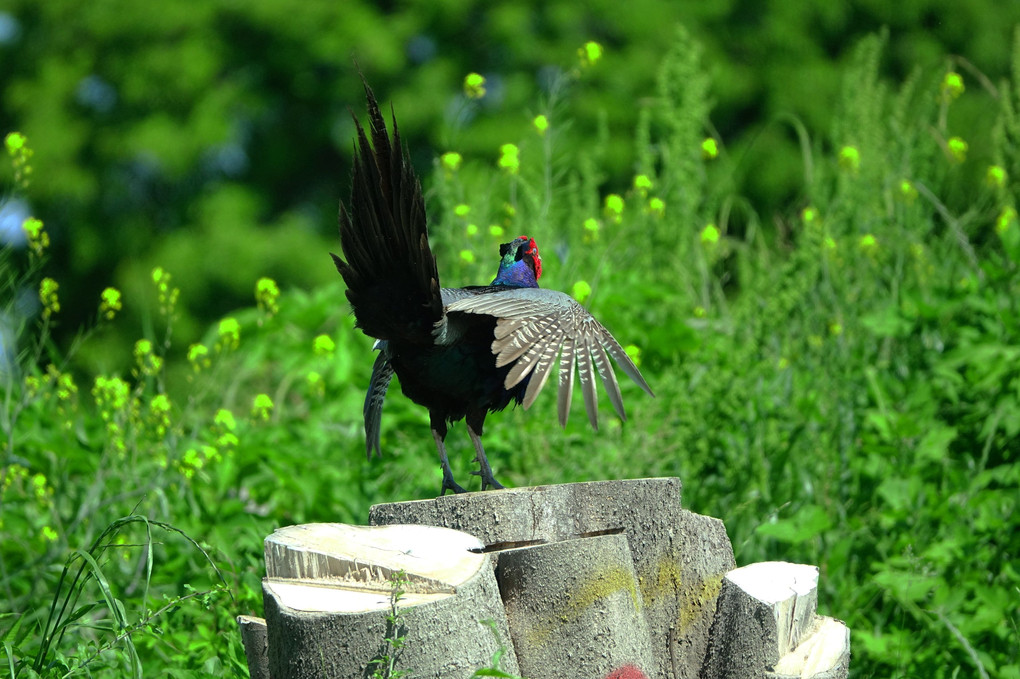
(515, 274)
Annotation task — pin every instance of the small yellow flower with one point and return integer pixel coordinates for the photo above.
(267, 295)
(66, 388)
(262, 407)
(450, 161)
(111, 394)
(324, 345)
(509, 158)
(229, 334)
(21, 154)
(49, 534)
(580, 291)
(143, 348)
(1005, 219)
(613, 207)
(850, 158)
(710, 234)
(38, 239)
(591, 229)
(194, 459)
(952, 86)
(541, 124)
(110, 303)
(642, 184)
(590, 53)
(148, 363)
(700, 312)
(198, 356)
(634, 352)
(996, 176)
(167, 294)
(657, 207)
(471, 229)
(467, 256)
(15, 142)
(48, 296)
(957, 149)
(809, 214)
(496, 230)
(159, 411)
(315, 383)
(474, 86)
(160, 404)
(709, 149)
(868, 243)
(39, 486)
(462, 210)
(224, 419)
(907, 190)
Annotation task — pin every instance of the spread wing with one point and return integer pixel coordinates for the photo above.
(535, 326)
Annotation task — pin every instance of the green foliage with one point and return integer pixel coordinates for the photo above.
(838, 380)
(385, 663)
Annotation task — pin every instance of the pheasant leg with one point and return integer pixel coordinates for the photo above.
(484, 471)
(448, 482)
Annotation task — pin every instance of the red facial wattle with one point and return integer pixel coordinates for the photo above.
(532, 249)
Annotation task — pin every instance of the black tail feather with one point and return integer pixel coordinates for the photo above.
(390, 272)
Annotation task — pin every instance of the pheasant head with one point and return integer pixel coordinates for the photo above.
(520, 266)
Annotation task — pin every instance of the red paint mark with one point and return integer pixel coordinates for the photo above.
(627, 672)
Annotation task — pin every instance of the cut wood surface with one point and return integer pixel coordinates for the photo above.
(328, 591)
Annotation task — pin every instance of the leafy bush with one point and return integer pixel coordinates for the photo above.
(837, 382)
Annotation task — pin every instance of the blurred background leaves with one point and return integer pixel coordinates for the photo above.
(213, 138)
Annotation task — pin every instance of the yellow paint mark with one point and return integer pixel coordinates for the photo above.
(664, 579)
(601, 584)
(693, 600)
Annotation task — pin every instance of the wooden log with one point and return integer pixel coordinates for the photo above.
(680, 557)
(253, 636)
(765, 614)
(328, 595)
(574, 608)
(824, 654)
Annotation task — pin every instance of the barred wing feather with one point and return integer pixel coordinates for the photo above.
(533, 327)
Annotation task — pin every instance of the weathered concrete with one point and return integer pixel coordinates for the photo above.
(574, 608)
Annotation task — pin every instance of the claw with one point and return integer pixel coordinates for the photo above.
(484, 470)
(448, 482)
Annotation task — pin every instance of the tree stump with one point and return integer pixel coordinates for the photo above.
(604, 580)
(766, 620)
(328, 597)
(680, 557)
(574, 608)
